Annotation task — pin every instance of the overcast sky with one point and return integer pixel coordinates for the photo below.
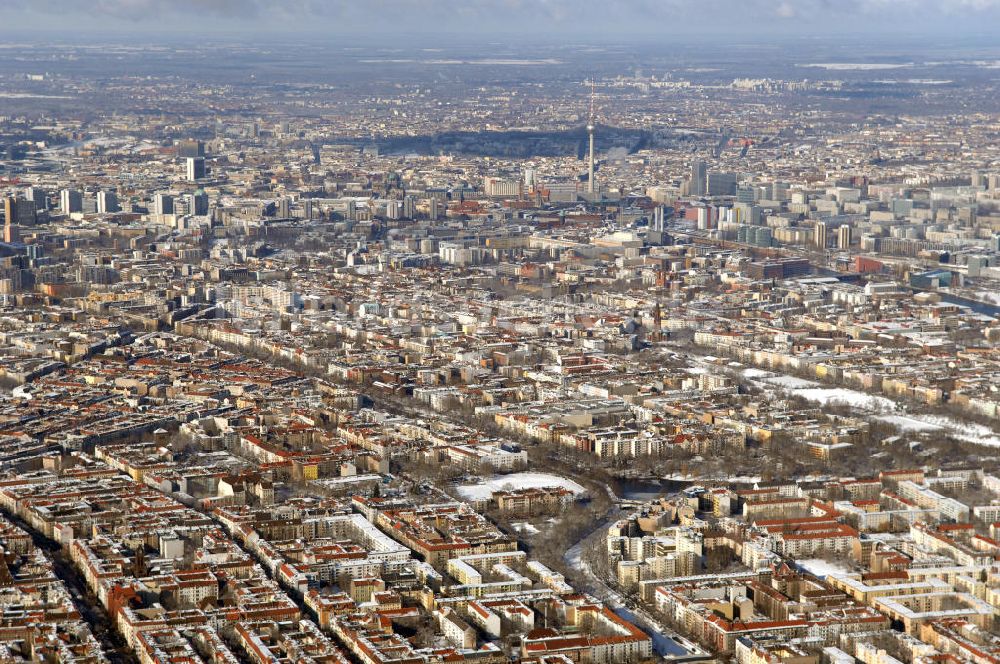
(560, 18)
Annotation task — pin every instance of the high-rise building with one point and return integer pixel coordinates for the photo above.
(746, 194)
(197, 203)
(659, 219)
(721, 184)
(698, 180)
(779, 191)
(409, 207)
(190, 149)
(107, 202)
(844, 237)
(283, 209)
(708, 217)
(819, 235)
(11, 232)
(501, 188)
(70, 200)
(19, 211)
(590, 158)
(976, 264)
(762, 236)
(39, 197)
(195, 168)
(163, 204)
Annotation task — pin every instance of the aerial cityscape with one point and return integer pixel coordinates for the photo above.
(506, 334)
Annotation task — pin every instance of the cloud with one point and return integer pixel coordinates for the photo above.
(785, 10)
(493, 15)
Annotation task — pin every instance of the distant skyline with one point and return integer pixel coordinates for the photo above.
(616, 19)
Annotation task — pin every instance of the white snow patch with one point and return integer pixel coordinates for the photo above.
(574, 558)
(969, 432)
(790, 382)
(525, 528)
(488, 487)
(910, 423)
(988, 296)
(828, 395)
(731, 479)
(814, 391)
(821, 568)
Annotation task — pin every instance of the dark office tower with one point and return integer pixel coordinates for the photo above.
(18, 211)
(195, 168)
(699, 178)
(190, 149)
(721, 184)
(107, 201)
(70, 200)
(39, 197)
(284, 208)
(163, 204)
(197, 203)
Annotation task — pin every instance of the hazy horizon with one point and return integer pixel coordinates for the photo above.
(374, 20)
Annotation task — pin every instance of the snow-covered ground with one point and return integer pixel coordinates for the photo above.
(486, 488)
(525, 528)
(909, 424)
(988, 296)
(871, 403)
(969, 432)
(789, 382)
(831, 395)
(821, 568)
(813, 391)
(730, 479)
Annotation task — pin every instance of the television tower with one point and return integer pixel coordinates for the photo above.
(590, 132)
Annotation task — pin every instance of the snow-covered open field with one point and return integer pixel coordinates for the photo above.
(969, 432)
(890, 410)
(821, 568)
(813, 391)
(486, 488)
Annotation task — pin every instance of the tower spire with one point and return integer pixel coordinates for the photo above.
(590, 132)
